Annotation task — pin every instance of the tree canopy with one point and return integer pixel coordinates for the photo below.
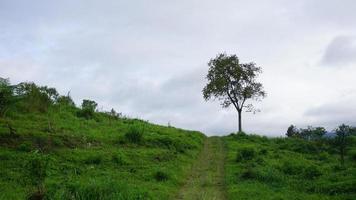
(233, 82)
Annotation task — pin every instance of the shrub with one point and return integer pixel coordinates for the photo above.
(165, 156)
(102, 190)
(88, 109)
(37, 172)
(119, 159)
(324, 156)
(248, 173)
(267, 175)
(353, 155)
(263, 152)
(26, 147)
(311, 172)
(291, 168)
(134, 135)
(161, 176)
(247, 153)
(93, 159)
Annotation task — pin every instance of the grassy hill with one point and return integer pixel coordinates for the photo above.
(50, 148)
(287, 168)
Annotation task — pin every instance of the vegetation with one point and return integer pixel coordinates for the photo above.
(51, 149)
(233, 83)
(290, 168)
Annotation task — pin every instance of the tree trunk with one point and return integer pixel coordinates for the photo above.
(240, 121)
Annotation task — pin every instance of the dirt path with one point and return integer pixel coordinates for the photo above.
(206, 180)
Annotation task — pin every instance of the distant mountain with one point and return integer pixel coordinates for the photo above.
(330, 135)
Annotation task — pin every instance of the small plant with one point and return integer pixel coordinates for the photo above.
(119, 159)
(161, 176)
(37, 172)
(353, 155)
(244, 154)
(25, 147)
(263, 152)
(248, 174)
(312, 172)
(94, 159)
(134, 135)
(291, 168)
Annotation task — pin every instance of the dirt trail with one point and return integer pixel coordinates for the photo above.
(206, 180)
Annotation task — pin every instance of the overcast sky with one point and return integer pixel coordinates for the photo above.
(148, 59)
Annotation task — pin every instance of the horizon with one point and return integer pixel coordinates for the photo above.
(149, 60)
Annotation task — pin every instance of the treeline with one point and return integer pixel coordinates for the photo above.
(29, 97)
(340, 137)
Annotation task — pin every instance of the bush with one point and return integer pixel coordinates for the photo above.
(161, 176)
(25, 147)
(267, 175)
(263, 152)
(311, 172)
(353, 155)
(88, 109)
(37, 172)
(248, 173)
(247, 153)
(94, 159)
(291, 168)
(134, 135)
(102, 190)
(119, 159)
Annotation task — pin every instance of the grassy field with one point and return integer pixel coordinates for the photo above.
(100, 158)
(206, 179)
(286, 168)
(52, 149)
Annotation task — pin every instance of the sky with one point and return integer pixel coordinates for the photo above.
(148, 59)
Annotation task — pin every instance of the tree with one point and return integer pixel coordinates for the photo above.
(312, 133)
(341, 140)
(88, 109)
(7, 98)
(292, 131)
(35, 98)
(233, 82)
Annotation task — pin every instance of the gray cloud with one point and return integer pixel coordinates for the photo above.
(148, 59)
(334, 113)
(340, 51)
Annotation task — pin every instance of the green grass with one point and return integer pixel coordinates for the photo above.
(281, 168)
(100, 158)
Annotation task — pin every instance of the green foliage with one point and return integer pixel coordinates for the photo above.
(37, 167)
(26, 147)
(102, 190)
(292, 131)
(233, 82)
(35, 98)
(6, 96)
(287, 168)
(88, 109)
(342, 140)
(161, 176)
(65, 101)
(78, 158)
(312, 172)
(245, 154)
(309, 133)
(93, 159)
(135, 134)
(119, 159)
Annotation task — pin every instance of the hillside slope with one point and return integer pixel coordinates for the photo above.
(286, 168)
(62, 152)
